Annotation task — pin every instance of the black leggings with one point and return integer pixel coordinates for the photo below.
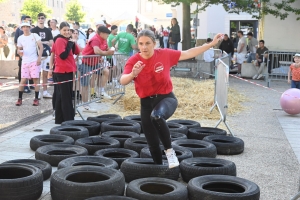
(155, 111)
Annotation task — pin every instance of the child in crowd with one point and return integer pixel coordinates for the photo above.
(295, 72)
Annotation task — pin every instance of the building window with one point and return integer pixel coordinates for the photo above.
(62, 5)
(53, 3)
(148, 6)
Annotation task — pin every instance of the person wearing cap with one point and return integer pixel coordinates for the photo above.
(295, 72)
(97, 24)
(27, 48)
(261, 59)
(252, 46)
(96, 46)
(81, 35)
(126, 41)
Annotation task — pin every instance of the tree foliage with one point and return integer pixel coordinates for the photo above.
(33, 7)
(74, 11)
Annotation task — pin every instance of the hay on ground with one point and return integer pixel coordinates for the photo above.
(195, 99)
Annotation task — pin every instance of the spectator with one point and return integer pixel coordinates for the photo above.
(96, 46)
(97, 24)
(252, 46)
(136, 22)
(260, 54)
(47, 39)
(126, 42)
(150, 70)
(3, 40)
(63, 50)
(208, 55)
(227, 45)
(30, 60)
(295, 72)
(54, 29)
(81, 35)
(175, 33)
(112, 59)
(241, 51)
(161, 36)
(88, 33)
(166, 37)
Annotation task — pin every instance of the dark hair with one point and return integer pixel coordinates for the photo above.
(241, 32)
(250, 34)
(130, 27)
(225, 35)
(135, 31)
(208, 40)
(262, 41)
(63, 24)
(113, 27)
(41, 15)
(27, 16)
(1, 27)
(49, 22)
(146, 33)
(175, 20)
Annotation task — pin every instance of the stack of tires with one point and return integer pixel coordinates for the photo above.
(95, 158)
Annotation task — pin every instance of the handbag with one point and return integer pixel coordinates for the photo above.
(6, 51)
(46, 49)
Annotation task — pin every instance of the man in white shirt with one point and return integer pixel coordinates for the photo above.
(54, 29)
(208, 56)
(241, 51)
(97, 24)
(27, 44)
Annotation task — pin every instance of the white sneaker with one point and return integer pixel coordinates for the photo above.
(172, 159)
(47, 95)
(254, 77)
(259, 76)
(238, 75)
(87, 108)
(39, 97)
(105, 95)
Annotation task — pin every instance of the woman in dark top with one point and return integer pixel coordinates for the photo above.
(175, 33)
(89, 32)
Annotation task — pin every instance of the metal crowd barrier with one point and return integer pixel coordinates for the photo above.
(95, 72)
(221, 89)
(278, 64)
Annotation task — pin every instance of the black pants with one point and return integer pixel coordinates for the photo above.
(63, 106)
(154, 113)
(54, 91)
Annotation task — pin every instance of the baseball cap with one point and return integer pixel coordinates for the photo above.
(100, 22)
(25, 24)
(103, 29)
(76, 23)
(297, 55)
(113, 27)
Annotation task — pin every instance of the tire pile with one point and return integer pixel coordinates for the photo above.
(97, 157)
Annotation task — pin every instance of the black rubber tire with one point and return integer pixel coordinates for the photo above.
(72, 131)
(136, 118)
(174, 127)
(103, 118)
(20, 181)
(55, 153)
(177, 136)
(181, 153)
(188, 123)
(82, 182)
(88, 160)
(226, 145)
(95, 143)
(92, 126)
(199, 148)
(222, 187)
(42, 140)
(121, 125)
(201, 132)
(194, 167)
(156, 188)
(111, 198)
(121, 136)
(117, 154)
(42, 165)
(136, 144)
(136, 168)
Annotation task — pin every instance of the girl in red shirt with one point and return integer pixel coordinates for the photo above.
(150, 70)
(63, 50)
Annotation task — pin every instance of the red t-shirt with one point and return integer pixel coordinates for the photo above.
(67, 65)
(295, 72)
(155, 77)
(89, 50)
(166, 33)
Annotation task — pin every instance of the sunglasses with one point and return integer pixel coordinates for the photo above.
(41, 18)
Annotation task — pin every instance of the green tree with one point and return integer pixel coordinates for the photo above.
(74, 12)
(33, 7)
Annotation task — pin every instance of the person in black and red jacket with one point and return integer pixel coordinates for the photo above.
(62, 54)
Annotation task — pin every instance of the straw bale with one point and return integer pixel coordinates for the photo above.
(195, 99)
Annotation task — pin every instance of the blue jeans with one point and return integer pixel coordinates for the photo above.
(295, 84)
(175, 46)
(251, 57)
